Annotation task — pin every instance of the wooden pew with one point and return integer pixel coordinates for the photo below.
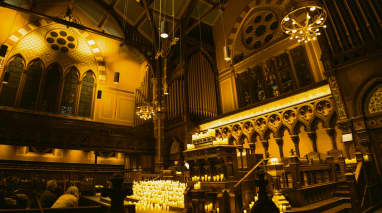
(82, 209)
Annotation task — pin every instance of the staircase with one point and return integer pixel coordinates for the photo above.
(341, 202)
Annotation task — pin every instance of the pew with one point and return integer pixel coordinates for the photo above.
(82, 209)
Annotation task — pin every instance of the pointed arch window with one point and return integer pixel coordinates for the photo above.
(15, 68)
(86, 95)
(50, 92)
(32, 84)
(69, 95)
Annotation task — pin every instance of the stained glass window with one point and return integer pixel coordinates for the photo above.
(15, 69)
(50, 91)
(301, 63)
(32, 83)
(70, 92)
(86, 97)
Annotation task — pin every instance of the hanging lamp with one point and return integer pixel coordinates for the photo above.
(304, 21)
(163, 29)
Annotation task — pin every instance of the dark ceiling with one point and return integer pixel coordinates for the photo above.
(118, 16)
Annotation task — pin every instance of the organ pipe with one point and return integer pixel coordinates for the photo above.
(201, 87)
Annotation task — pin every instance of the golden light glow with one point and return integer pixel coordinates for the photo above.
(91, 42)
(145, 112)
(22, 31)
(276, 105)
(96, 50)
(14, 38)
(304, 23)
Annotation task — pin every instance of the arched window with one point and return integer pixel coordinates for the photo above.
(86, 96)
(50, 92)
(32, 84)
(15, 68)
(70, 91)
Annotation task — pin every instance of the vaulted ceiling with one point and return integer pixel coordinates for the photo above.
(123, 18)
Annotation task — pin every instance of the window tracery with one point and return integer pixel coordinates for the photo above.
(86, 96)
(15, 68)
(69, 95)
(32, 84)
(51, 88)
(375, 101)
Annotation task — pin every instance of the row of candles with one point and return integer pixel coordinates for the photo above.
(209, 133)
(205, 178)
(218, 141)
(164, 192)
(143, 206)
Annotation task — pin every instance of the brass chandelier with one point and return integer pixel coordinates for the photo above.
(304, 23)
(145, 112)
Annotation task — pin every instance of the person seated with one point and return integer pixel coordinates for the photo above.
(69, 199)
(118, 192)
(49, 196)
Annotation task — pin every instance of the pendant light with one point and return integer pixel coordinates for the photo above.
(6, 78)
(163, 29)
(116, 77)
(227, 56)
(226, 52)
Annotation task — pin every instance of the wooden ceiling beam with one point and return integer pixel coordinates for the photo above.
(149, 16)
(189, 29)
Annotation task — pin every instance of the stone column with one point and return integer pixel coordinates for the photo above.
(279, 142)
(159, 141)
(332, 134)
(296, 141)
(266, 146)
(313, 138)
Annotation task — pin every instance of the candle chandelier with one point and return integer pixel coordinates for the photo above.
(304, 23)
(145, 112)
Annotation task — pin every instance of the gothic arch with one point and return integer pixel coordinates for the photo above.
(364, 93)
(33, 76)
(15, 68)
(254, 6)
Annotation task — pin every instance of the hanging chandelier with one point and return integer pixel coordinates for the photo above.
(304, 23)
(145, 112)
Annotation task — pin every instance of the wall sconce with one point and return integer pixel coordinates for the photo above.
(227, 56)
(116, 77)
(347, 137)
(99, 94)
(6, 78)
(163, 29)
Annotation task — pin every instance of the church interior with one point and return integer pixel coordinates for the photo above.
(197, 106)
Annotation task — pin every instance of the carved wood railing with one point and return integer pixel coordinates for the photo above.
(248, 173)
(305, 183)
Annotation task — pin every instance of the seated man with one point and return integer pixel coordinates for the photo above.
(69, 199)
(49, 196)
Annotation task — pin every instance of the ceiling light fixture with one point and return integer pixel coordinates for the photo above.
(304, 23)
(163, 29)
(226, 53)
(145, 112)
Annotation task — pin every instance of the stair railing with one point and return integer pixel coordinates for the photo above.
(248, 173)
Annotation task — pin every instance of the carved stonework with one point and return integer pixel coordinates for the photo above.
(290, 117)
(306, 113)
(375, 101)
(324, 108)
(274, 121)
(341, 112)
(287, 119)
